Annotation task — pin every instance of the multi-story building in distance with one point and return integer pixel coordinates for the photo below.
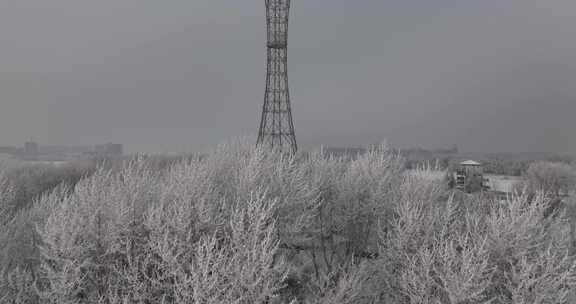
(108, 149)
(30, 151)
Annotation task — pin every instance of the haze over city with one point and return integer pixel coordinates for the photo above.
(168, 151)
(489, 76)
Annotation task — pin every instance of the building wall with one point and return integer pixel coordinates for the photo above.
(108, 149)
(31, 150)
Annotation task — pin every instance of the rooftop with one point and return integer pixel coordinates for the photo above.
(470, 163)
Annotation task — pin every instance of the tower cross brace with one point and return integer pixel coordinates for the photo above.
(276, 125)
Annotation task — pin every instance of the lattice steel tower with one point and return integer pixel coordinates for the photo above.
(276, 126)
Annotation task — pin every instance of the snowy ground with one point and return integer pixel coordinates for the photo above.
(502, 183)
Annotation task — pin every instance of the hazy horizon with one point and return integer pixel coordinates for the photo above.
(174, 76)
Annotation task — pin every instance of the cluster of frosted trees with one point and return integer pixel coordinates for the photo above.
(243, 225)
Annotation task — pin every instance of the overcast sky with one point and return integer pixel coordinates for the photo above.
(183, 75)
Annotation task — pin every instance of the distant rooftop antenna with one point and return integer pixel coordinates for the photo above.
(276, 126)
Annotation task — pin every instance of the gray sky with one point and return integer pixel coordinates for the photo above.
(179, 75)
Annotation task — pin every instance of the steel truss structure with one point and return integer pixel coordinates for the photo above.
(276, 125)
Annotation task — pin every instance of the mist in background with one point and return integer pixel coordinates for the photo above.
(169, 76)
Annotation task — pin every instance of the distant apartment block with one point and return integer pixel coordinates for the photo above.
(8, 150)
(109, 149)
(30, 151)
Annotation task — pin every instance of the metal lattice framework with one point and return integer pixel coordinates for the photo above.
(276, 126)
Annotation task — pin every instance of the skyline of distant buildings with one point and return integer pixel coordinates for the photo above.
(33, 151)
